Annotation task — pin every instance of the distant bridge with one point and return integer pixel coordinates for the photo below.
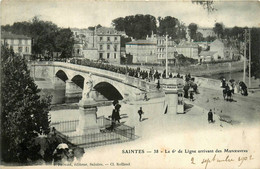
(70, 78)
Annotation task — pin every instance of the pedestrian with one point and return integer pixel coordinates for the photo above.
(113, 118)
(178, 75)
(189, 76)
(140, 112)
(117, 115)
(145, 97)
(223, 83)
(158, 84)
(170, 75)
(210, 116)
(191, 96)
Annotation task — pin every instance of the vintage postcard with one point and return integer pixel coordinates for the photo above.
(130, 84)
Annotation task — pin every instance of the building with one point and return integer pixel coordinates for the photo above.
(220, 50)
(20, 44)
(85, 42)
(219, 47)
(161, 49)
(84, 36)
(204, 45)
(108, 44)
(207, 56)
(188, 49)
(99, 44)
(206, 32)
(153, 50)
(143, 51)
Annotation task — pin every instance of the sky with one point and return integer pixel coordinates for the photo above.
(85, 13)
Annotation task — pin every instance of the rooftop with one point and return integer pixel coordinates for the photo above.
(7, 35)
(186, 44)
(142, 42)
(108, 31)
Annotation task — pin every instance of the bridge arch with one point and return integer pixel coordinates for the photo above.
(108, 90)
(62, 75)
(78, 80)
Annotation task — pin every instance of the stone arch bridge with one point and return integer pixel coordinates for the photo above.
(71, 78)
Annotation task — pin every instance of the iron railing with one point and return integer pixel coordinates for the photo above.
(121, 133)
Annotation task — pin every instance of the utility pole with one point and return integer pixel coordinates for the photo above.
(249, 64)
(166, 56)
(245, 48)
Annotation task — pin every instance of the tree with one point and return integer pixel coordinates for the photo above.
(181, 31)
(193, 30)
(24, 114)
(64, 42)
(93, 27)
(219, 29)
(210, 38)
(168, 25)
(206, 4)
(199, 37)
(136, 26)
(44, 35)
(124, 41)
(255, 52)
(119, 24)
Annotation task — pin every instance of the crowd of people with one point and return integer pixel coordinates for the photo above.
(149, 75)
(190, 88)
(231, 87)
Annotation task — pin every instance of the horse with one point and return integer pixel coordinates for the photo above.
(227, 94)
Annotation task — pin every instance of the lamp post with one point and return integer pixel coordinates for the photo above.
(166, 57)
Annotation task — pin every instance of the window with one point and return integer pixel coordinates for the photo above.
(108, 39)
(115, 38)
(100, 55)
(100, 47)
(114, 55)
(108, 54)
(108, 47)
(100, 38)
(115, 47)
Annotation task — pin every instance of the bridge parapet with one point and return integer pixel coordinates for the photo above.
(128, 80)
